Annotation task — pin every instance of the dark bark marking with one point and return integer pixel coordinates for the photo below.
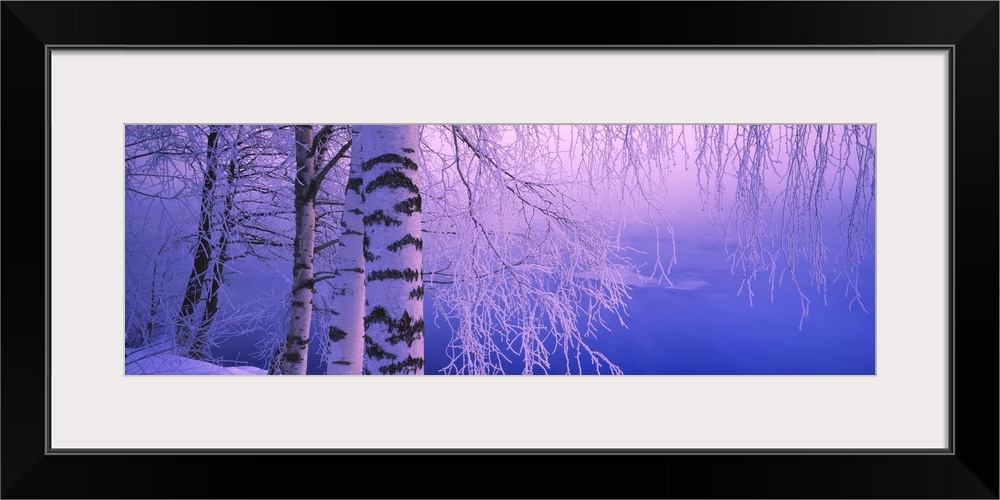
(395, 274)
(337, 334)
(409, 206)
(389, 158)
(392, 179)
(408, 365)
(354, 184)
(405, 329)
(375, 351)
(406, 240)
(309, 284)
(379, 217)
(369, 257)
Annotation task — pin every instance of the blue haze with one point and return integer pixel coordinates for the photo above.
(707, 330)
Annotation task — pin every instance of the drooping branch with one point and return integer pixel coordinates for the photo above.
(771, 185)
(518, 246)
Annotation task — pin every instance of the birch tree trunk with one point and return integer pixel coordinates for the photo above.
(186, 323)
(200, 344)
(392, 246)
(347, 331)
(295, 357)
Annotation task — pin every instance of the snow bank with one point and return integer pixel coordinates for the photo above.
(151, 362)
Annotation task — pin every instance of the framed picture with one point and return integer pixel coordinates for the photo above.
(920, 76)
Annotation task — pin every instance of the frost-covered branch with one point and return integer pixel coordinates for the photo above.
(770, 186)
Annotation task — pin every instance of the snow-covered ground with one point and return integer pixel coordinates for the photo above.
(157, 360)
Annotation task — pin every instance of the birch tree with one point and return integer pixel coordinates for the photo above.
(187, 329)
(392, 246)
(517, 254)
(216, 275)
(307, 184)
(152, 154)
(233, 153)
(210, 189)
(346, 333)
(297, 343)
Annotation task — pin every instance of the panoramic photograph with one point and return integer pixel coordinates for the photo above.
(485, 249)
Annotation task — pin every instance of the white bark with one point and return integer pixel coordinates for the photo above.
(347, 326)
(296, 351)
(394, 314)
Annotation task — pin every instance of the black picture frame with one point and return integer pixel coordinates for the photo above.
(968, 470)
